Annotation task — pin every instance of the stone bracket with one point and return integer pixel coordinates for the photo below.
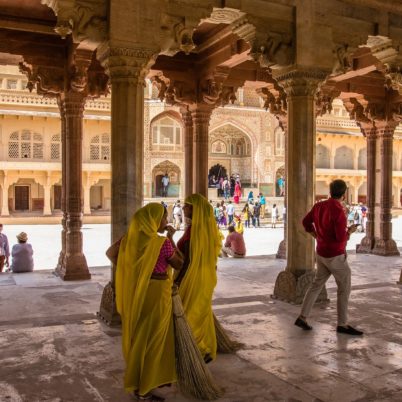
(107, 310)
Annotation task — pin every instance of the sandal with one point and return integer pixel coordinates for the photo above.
(149, 397)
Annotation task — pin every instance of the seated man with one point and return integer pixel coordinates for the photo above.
(21, 254)
(234, 244)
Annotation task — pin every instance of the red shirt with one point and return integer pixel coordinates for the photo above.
(328, 220)
(235, 241)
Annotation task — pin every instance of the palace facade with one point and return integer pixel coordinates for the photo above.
(244, 139)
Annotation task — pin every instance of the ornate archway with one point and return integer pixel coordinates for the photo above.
(173, 172)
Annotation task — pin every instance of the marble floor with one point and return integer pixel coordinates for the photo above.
(53, 348)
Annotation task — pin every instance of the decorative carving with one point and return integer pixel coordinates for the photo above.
(300, 82)
(281, 253)
(107, 310)
(84, 20)
(274, 100)
(393, 77)
(285, 287)
(303, 283)
(224, 16)
(275, 49)
(343, 62)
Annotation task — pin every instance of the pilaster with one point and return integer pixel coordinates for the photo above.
(384, 244)
(4, 188)
(300, 86)
(87, 195)
(47, 189)
(201, 115)
(188, 150)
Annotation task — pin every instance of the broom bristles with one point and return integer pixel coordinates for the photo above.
(224, 343)
(193, 375)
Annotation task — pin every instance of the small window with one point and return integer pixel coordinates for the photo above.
(100, 148)
(166, 132)
(11, 84)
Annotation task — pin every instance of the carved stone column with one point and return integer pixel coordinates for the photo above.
(188, 151)
(201, 115)
(281, 253)
(300, 87)
(74, 264)
(367, 243)
(60, 262)
(4, 207)
(87, 195)
(127, 69)
(384, 244)
(47, 189)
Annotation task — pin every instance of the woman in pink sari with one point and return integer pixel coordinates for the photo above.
(237, 193)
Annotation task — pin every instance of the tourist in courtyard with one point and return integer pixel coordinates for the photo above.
(232, 185)
(256, 214)
(274, 216)
(326, 222)
(284, 215)
(22, 255)
(226, 188)
(263, 202)
(177, 215)
(234, 244)
(200, 244)
(230, 210)
(246, 215)
(250, 197)
(281, 186)
(4, 249)
(165, 185)
(144, 301)
(237, 193)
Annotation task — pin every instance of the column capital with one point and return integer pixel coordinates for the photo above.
(73, 104)
(126, 63)
(201, 114)
(299, 81)
(186, 116)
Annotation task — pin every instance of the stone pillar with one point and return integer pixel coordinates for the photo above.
(87, 195)
(74, 265)
(369, 131)
(188, 152)
(384, 244)
(47, 188)
(60, 263)
(281, 253)
(4, 207)
(201, 115)
(127, 71)
(300, 87)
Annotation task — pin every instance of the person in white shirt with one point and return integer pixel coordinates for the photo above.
(165, 185)
(21, 253)
(274, 215)
(230, 210)
(177, 215)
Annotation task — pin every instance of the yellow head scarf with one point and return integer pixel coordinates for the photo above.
(139, 251)
(199, 282)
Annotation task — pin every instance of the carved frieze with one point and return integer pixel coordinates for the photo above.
(343, 58)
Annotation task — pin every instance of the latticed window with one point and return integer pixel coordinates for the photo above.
(55, 147)
(25, 145)
(100, 148)
(166, 131)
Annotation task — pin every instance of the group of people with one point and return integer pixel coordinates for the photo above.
(357, 215)
(148, 264)
(227, 187)
(21, 253)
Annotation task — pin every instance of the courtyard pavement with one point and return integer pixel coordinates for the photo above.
(53, 348)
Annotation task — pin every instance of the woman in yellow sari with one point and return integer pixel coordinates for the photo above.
(200, 245)
(144, 301)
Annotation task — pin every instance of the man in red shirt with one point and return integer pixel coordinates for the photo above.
(234, 244)
(327, 223)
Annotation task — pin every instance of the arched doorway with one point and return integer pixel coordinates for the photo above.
(218, 171)
(173, 172)
(280, 182)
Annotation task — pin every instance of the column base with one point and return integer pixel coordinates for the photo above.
(74, 268)
(107, 310)
(291, 289)
(281, 253)
(366, 245)
(385, 248)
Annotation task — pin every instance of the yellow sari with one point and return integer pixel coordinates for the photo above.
(199, 282)
(145, 305)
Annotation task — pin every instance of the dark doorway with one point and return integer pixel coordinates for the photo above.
(57, 197)
(21, 198)
(158, 185)
(218, 171)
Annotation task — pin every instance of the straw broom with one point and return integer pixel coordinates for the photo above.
(224, 343)
(193, 375)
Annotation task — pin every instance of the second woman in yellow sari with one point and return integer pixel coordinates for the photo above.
(144, 301)
(201, 245)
